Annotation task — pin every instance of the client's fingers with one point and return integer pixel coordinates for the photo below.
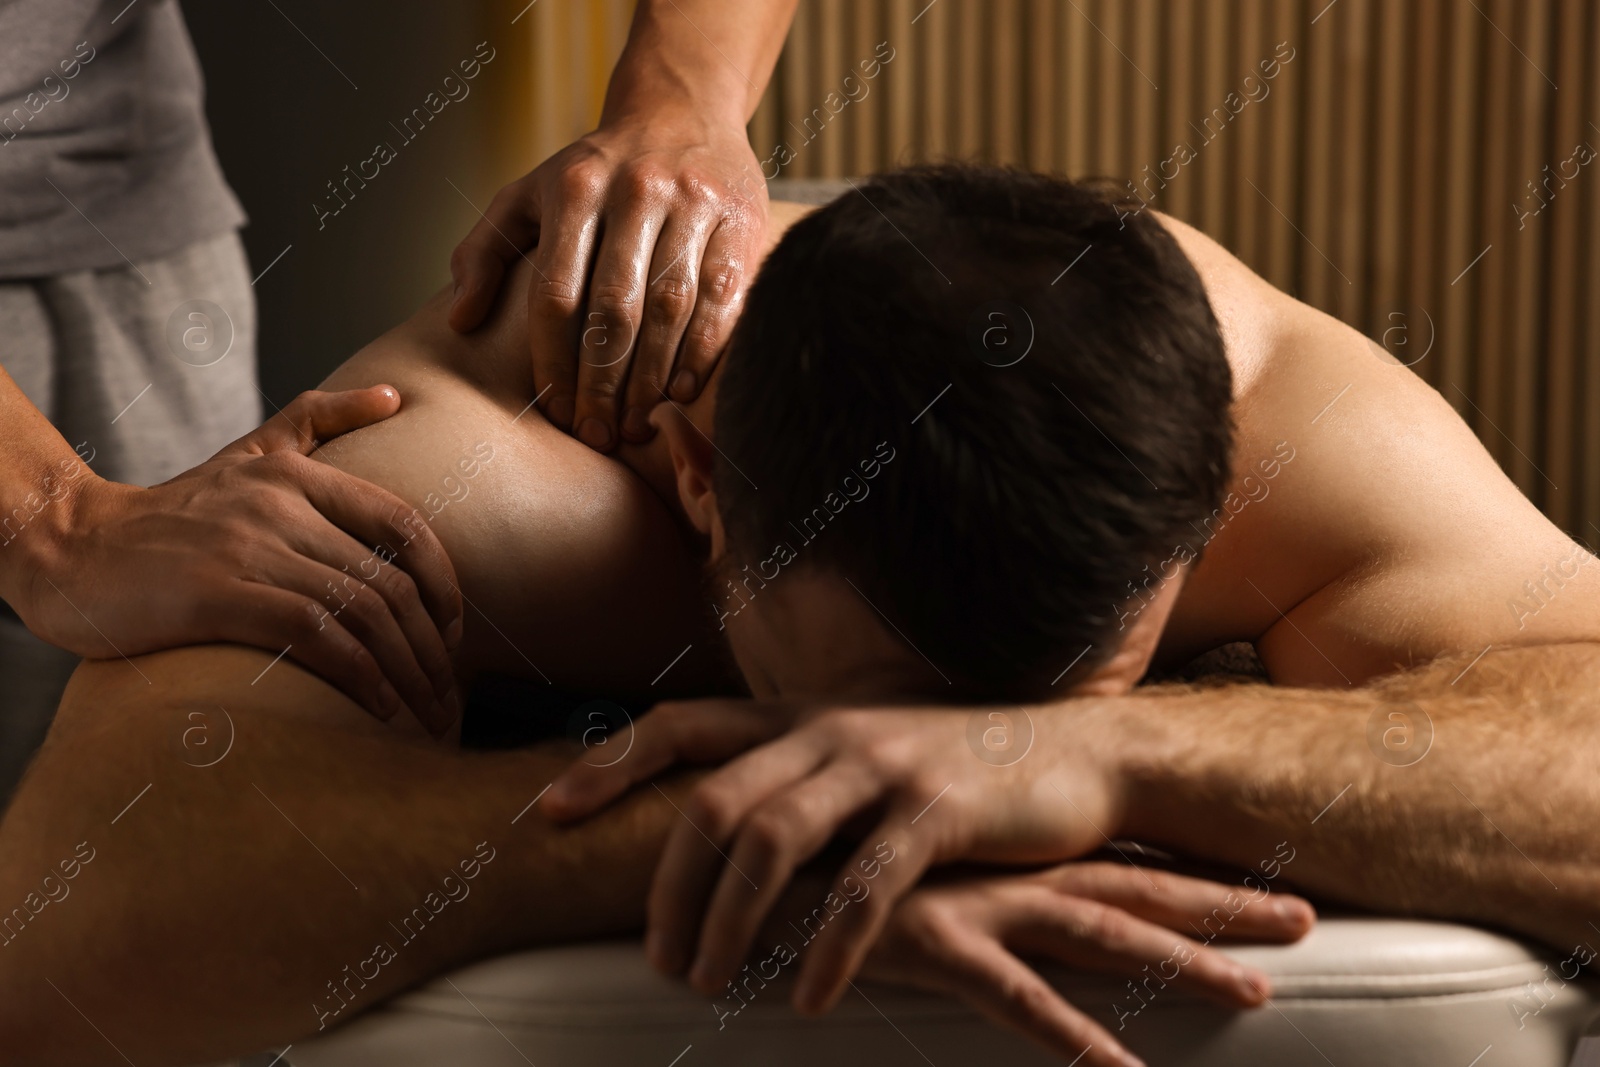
(893, 859)
(781, 834)
(696, 851)
(314, 417)
(705, 731)
(1214, 910)
(478, 263)
(1008, 992)
(1086, 933)
(269, 617)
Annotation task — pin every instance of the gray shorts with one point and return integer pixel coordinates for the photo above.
(146, 369)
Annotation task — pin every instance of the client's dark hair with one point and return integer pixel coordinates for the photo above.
(1042, 365)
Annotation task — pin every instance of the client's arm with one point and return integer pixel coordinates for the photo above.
(1463, 790)
(239, 856)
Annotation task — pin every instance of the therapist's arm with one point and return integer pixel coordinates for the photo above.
(258, 545)
(665, 202)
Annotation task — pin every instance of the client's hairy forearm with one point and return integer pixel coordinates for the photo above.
(1463, 790)
(191, 883)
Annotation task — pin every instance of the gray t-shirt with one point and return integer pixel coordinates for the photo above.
(104, 149)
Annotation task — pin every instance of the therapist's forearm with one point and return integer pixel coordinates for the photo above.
(1492, 820)
(38, 471)
(713, 56)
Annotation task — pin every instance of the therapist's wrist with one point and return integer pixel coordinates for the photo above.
(39, 531)
(654, 90)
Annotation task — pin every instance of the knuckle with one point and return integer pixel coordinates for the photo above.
(398, 587)
(720, 282)
(698, 191)
(557, 296)
(306, 620)
(769, 831)
(645, 183)
(711, 810)
(600, 387)
(1106, 925)
(615, 304)
(671, 300)
(580, 181)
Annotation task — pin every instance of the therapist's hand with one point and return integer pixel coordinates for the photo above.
(263, 546)
(648, 231)
(770, 810)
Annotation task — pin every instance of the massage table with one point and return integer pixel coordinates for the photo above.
(1356, 992)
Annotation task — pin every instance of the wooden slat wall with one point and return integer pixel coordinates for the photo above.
(1390, 153)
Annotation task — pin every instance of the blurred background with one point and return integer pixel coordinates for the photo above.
(1419, 169)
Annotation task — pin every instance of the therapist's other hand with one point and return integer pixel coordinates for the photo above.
(648, 231)
(965, 938)
(263, 546)
(770, 810)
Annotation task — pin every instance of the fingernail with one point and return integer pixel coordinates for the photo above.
(594, 433)
(683, 385)
(700, 976)
(560, 411)
(1130, 1060)
(455, 297)
(388, 392)
(1292, 911)
(636, 424)
(452, 634)
(1252, 985)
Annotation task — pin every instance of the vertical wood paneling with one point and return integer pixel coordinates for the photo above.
(1588, 459)
(1561, 268)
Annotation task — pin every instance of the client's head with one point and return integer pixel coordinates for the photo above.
(964, 429)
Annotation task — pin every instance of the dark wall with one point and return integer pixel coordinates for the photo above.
(297, 91)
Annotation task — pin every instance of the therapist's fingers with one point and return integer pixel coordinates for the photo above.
(731, 253)
(572, 207)
(478, 264)
(781, 835)
(268, 617)
(700, 731)
(375, 516)
(668, 303)
(610, 333)
(372, 619)
(315, 417)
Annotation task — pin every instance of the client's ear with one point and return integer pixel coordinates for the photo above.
(1146, 620)
(692, 465)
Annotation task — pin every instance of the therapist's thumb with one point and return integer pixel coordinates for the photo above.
(315, 417)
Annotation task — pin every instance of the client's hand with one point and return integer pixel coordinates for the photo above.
(963, 938)
(648, 230)
(772, 809)
(263, 546)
